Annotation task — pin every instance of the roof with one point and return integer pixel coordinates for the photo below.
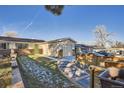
(61, 40)
(96, 54)
(82, 45)
(19, 39)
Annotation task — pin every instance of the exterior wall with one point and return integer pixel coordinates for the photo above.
(45, 49)
(35, 48)
(31, 46)
(68, 49)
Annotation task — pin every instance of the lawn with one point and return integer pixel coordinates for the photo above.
(5, 73)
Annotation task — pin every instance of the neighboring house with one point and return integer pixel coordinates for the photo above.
(116, 51)
(81, 48)
(9, 43)
(57, 48)
(96, 49)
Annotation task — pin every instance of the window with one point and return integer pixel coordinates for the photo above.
(21, 45)
(3, 46)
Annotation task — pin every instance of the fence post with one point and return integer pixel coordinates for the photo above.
(92, 69)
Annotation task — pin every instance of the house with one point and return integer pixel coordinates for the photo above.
(81, 48)
(57, 48)
(12, 43)
(116, 51)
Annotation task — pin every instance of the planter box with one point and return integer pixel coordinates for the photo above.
(106, 82)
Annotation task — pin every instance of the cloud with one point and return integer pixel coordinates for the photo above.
(8, 30)
(10, 34)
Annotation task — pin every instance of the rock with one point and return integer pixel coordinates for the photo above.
(70, 74)
(70, 64)
(67, 70)
(78, 72)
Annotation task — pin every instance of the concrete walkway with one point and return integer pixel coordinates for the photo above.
(16, 77)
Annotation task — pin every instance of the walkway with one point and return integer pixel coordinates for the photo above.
(16, 77)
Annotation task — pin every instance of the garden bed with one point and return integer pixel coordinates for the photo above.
(47, 63)
(42, 73)
(52, 65)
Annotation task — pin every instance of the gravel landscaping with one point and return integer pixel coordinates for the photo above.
(37, 74)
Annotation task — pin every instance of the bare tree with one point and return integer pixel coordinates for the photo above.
(102, 36)
(118, 44)
(10, 34)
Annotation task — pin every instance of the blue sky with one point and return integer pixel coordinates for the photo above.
(77, 22)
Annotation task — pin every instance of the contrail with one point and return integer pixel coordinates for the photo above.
(27, 26)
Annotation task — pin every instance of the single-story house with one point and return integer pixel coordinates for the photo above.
(8, 43)
(59, 47)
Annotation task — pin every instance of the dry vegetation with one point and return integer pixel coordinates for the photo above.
(5, 73)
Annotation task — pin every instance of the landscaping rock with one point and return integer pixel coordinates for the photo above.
(43, 75)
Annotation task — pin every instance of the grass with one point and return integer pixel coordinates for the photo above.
(5, 73)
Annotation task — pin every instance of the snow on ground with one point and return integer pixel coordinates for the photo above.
(70, 69)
